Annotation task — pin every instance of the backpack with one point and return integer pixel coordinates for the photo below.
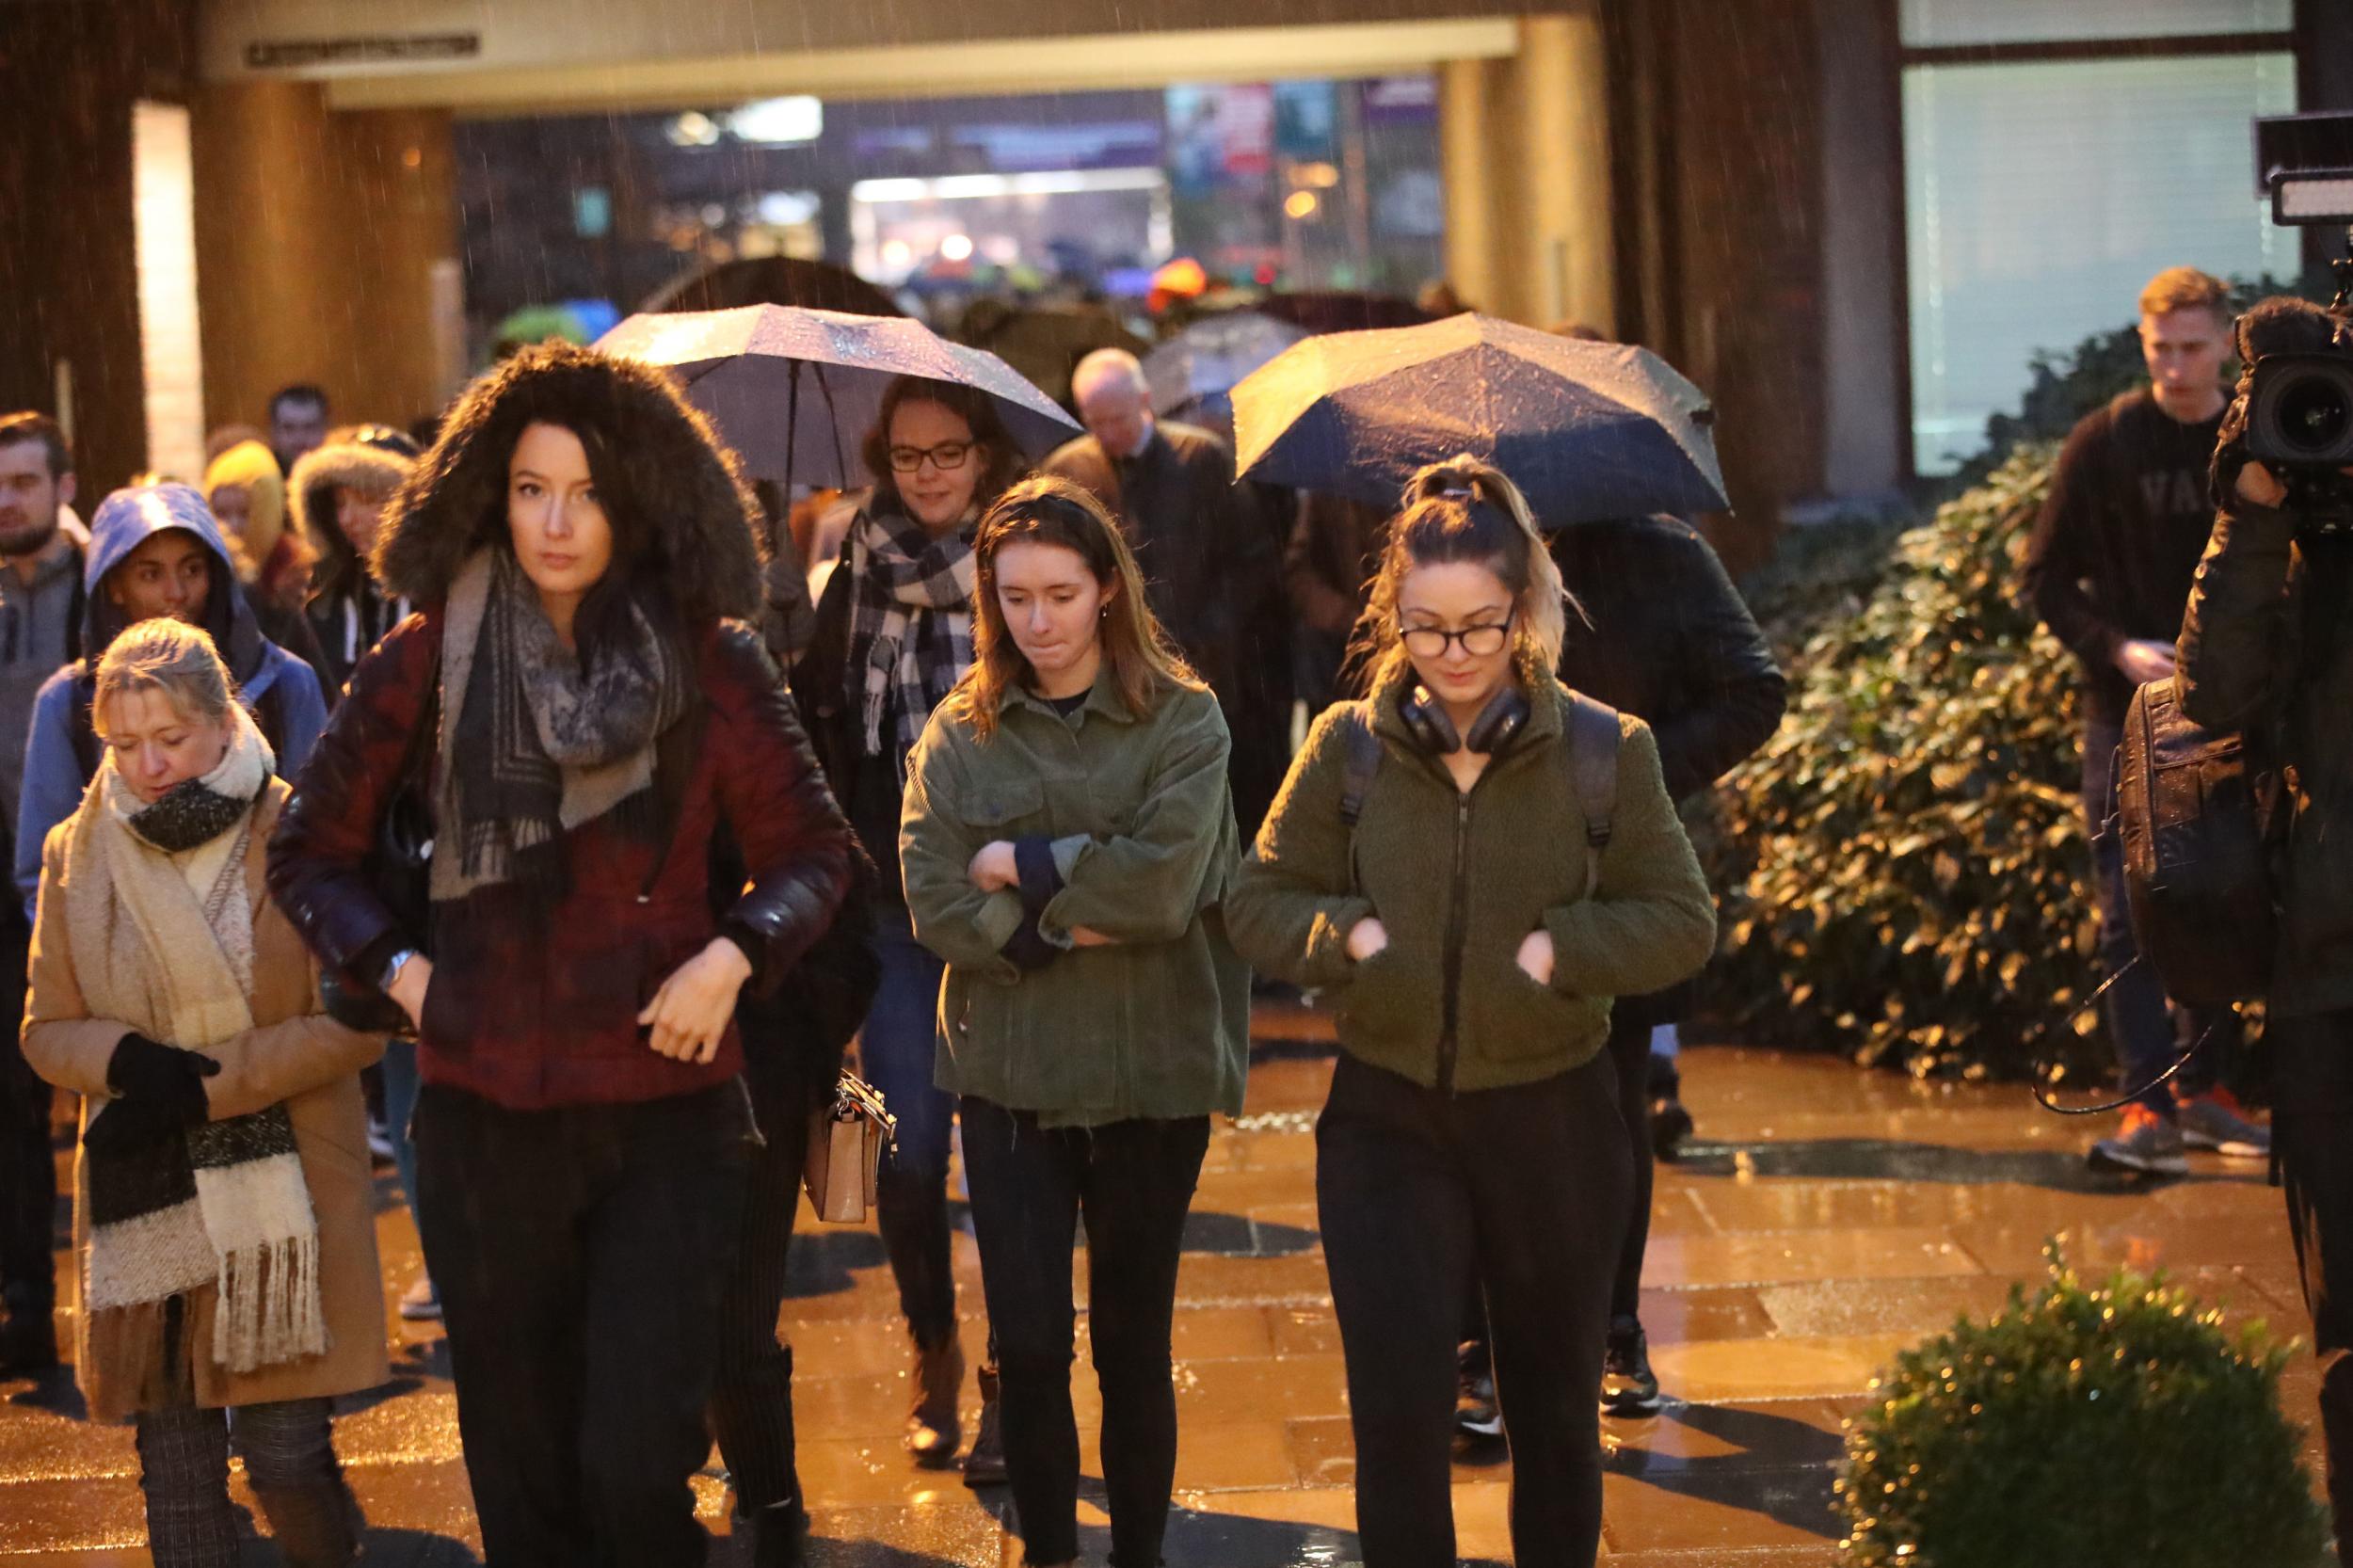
(2199, 812)
(1591, 759)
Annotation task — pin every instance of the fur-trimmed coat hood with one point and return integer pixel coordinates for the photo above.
(340, 465)
(645, 442)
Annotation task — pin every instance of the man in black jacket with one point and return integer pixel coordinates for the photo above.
(2267, 647)
(1210, 554)
(1665, 636)
(2108, 569)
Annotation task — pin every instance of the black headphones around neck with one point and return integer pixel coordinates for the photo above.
(1497, 726)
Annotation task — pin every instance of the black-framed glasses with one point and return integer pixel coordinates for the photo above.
(946, 456)
(1479, 642)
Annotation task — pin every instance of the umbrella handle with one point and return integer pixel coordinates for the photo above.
(833, 422)
(792, 428)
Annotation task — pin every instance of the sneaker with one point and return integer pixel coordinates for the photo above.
(2145, 1144)
(1477, 1414)
(380, 1141)
(1629, 1386)
(986, 1464)
(2216, 1120)
(934, 1428)
(421, 1303)
(1670, 1124)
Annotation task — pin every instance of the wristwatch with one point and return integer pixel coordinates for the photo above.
(392, 969)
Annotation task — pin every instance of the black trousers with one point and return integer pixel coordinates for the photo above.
(1412, 1184)
(581, 1254)
(1629, 1057)
(751, 1406)
(28, 1164)
(1134, 1181)
(2312, 1135)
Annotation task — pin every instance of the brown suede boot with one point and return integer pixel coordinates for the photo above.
(934, 1428)
(986, 1464)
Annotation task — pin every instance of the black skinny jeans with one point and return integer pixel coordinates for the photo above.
(1134, 1181)
(751, 1406)
(1412, 1185)
(581, 1254)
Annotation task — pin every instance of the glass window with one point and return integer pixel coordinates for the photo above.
(1932, 24)
(2039, 198)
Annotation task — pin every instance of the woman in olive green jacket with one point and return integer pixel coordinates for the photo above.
(1471, 932)
(1067, 842)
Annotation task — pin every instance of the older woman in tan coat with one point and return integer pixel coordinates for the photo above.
(223, 1217)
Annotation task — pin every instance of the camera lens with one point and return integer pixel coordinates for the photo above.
(2314, 413)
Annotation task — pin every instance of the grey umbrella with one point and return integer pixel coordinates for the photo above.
(795, 390)
(1209, 358)
(1587, 430)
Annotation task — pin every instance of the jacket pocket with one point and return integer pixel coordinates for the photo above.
(1527, 1019)
(1004, 803)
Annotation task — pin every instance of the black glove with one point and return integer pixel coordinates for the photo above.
(161, 1078)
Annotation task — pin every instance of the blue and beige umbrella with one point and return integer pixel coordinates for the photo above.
(1587, 430)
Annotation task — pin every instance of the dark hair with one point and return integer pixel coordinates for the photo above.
(1052, 511)
(298, 392)
(16, 430)
(1466, 510)
(1002, 459)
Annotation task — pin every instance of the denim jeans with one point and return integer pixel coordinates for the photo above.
(1133, 1182)
(400, 1106)
(896, 1051)
(2147, 1030)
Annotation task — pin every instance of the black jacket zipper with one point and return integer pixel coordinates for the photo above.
(1457, 917)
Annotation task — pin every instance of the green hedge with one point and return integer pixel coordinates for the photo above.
(1904, 865)
(2116, 1424)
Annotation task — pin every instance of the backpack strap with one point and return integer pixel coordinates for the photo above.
(1594, 737)
(1364, 762)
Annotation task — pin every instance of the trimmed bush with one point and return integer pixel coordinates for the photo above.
(1905, 863)
(2107, 1424)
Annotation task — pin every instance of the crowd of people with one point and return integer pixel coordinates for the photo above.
(1025, 824)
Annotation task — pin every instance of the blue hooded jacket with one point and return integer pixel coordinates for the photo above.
(280, 689)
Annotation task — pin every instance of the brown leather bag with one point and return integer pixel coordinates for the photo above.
(847, 1136)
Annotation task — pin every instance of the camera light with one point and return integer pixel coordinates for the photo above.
(2323, 196)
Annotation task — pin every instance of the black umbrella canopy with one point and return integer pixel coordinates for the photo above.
(772, 280)
(1341, 310)
(1044, 343)
(795, 390)
(1587, 430)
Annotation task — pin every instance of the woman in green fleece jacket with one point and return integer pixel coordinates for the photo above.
(1067, 841)
(1470, 935)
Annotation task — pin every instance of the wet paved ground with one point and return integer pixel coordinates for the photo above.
(1825, 1218)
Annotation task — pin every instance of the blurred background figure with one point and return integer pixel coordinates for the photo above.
(1210, 557)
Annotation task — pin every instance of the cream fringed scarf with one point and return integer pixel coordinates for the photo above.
(164, 943)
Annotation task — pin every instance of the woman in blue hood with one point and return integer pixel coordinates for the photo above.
(140, 565)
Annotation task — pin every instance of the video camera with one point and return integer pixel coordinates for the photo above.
(2300, 404)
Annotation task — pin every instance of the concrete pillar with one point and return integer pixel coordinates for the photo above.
(1524, 145)
(1469, 165)
(318, 236)
(1565, 184)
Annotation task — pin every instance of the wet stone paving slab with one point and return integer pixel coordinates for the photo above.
(1822, 1219)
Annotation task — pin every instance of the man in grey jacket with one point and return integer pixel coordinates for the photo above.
(41, 617)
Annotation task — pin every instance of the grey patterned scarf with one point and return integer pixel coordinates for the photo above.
(910, 622)
(532, 745)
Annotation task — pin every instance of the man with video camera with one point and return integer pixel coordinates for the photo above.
(2267, 649)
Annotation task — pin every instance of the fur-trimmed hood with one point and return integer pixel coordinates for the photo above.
(319, 473)
(668, 463)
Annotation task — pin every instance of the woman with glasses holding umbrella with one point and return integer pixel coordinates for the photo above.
(894, 635)
(1472, 862)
